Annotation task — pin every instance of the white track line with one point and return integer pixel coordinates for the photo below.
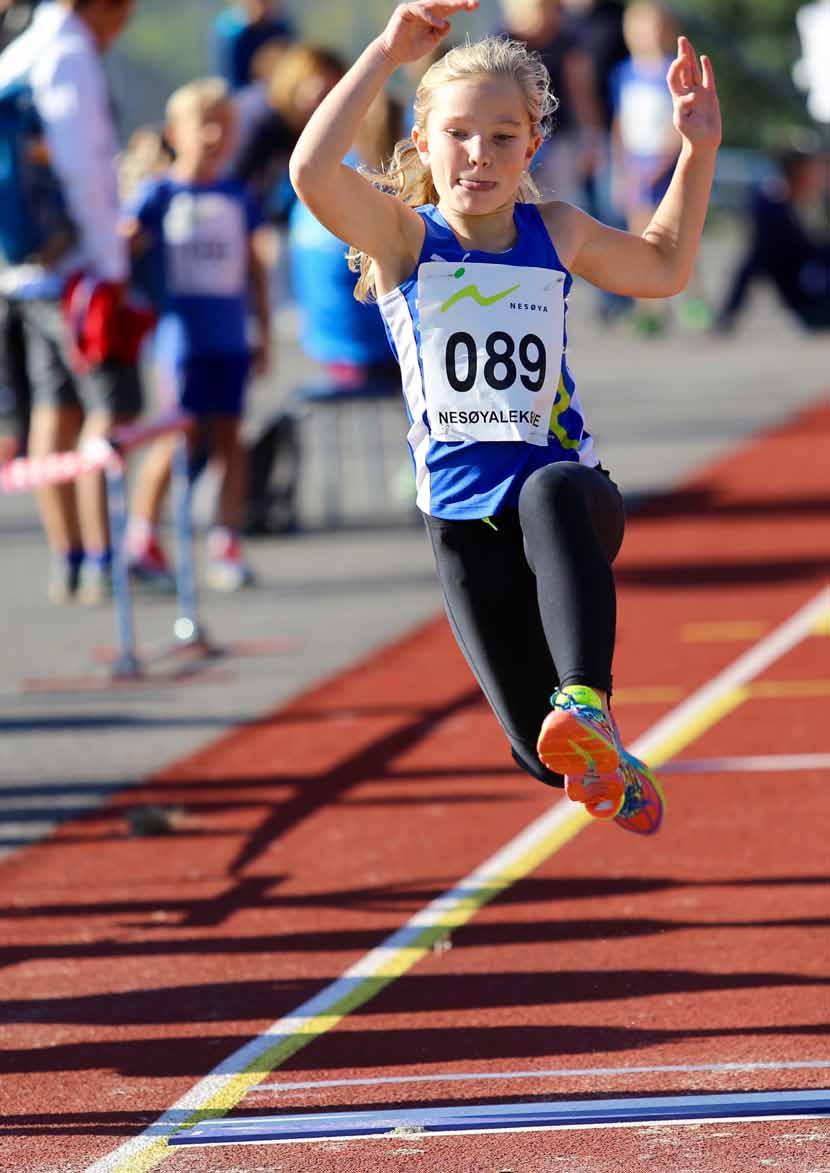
(775, 763)
(554, 1073)
(223, 1088)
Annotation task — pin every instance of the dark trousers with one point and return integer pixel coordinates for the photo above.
(532, 603)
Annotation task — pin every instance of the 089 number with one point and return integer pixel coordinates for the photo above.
(500, 369)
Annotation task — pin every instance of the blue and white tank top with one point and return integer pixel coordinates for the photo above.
(481, 342)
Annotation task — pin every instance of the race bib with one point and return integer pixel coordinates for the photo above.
(491, 348)
(206, 245)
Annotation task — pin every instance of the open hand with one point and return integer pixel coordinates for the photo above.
(415, 29)
(692, 86)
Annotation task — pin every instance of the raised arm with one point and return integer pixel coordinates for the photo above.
(348, 205)
(658, 263)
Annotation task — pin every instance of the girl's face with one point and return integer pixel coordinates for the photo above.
(203, 140)
(477, 142)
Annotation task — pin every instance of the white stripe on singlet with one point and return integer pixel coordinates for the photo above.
(393, 306)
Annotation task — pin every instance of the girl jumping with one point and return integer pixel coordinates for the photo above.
(472, 276)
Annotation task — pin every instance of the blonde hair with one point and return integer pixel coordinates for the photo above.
(197, 97)
(406, 177)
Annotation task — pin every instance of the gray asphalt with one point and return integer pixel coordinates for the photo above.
(659, 408)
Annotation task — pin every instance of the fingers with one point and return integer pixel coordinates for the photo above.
(686, 73)
(454, 6)
(436, 14)
(674, 77)
(708, 74)
(691, 57)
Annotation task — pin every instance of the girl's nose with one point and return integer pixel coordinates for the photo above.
(477, 151)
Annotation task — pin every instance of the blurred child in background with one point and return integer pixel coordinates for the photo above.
(567, 159)
(785, 246)
(200, 233)
(644, 142)
(295, 83)
(346, 335)
(239, 32)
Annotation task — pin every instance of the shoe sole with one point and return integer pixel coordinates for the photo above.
(567, 746)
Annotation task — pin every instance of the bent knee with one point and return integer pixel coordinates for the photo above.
(552, 485)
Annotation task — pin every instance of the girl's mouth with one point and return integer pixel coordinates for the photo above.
(476, 184)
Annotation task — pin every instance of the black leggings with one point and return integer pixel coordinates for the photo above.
(532, 603)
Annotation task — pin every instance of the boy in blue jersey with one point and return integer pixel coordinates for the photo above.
(200, 235)
(471, 273)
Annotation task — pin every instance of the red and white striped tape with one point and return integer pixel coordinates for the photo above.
(24, 474)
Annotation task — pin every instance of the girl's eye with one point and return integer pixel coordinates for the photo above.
(456, 133)
(505, 138)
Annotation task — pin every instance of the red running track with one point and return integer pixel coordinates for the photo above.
(134, 966)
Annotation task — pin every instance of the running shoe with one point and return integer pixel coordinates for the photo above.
(63, 579)
(226, 569)
(579, 739)
(148, 567)
(644, 803)
(94, 583)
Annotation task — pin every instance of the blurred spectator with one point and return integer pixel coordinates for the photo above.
(645, 144)
(201, 231)
(598, 27)
(574, 150)
(298, 81)
(15, 389)
(59, 59)
(782, 247)
(15, 396)
(239, 32)
(347, 336)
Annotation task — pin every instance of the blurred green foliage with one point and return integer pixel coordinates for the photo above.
(753, 45)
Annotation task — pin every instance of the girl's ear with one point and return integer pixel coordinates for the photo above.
(533, 146)
(419, 138)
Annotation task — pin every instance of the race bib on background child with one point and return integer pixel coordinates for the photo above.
(206, 245)
(491, 348)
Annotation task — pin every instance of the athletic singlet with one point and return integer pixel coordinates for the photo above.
(481, 342)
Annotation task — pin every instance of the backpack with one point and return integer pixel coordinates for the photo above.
(34, 221)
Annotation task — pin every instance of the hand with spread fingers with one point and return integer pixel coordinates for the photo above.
(695, 97)
(415, 29)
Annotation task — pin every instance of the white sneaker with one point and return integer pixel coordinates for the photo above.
(226, 569)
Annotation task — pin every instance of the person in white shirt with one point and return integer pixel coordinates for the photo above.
(60, 55)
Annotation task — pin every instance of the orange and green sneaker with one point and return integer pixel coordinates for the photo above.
(644, 803)
(579, 739)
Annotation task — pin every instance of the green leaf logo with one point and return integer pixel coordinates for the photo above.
(472, 291)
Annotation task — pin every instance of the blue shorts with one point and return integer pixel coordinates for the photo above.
(205, 384)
